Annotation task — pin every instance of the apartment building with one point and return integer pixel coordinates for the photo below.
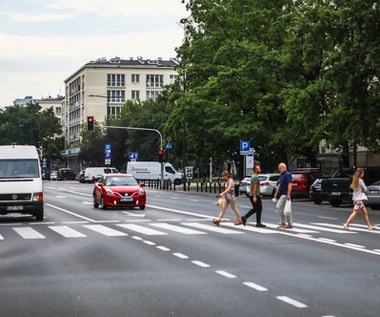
(52, 102)
(107, 84)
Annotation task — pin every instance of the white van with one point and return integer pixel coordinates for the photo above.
(20, 181)
(152, 171)
(92, 174)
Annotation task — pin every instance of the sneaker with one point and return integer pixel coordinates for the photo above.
(288, 226)
(281, 226)
(260, 225)
(346, 227)
(244, 220)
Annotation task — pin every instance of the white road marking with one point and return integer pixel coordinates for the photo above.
(354, 245)
(326, 240)
(162, 248)
(72, 222)
(291, 301)
(133, 214)
(1, 237)
(181, 212)
(137, 238)
(67, 232)
(29, 233)
(255, 286)
(180, 255)
(225, 274)
(143, 230)
(319, 228)
(70, 213)
(249, 228)
(105, 231)
(328, 218)
(176, 228)
(149, 242)
(211, 228)
(353, 227)
(200, 263)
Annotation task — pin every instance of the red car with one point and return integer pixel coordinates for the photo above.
(302, 179)
(119, 190)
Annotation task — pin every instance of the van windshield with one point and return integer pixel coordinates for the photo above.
(19, 168)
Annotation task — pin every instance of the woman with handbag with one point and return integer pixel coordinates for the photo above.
(229, 195)
(358, 196)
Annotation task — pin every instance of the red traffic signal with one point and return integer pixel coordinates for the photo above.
(90, 123)
(160, 153)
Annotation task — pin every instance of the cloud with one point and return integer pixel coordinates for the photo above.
(122, 7)
(25, 18)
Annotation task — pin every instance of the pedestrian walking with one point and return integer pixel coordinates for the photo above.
(283, 194)
(255, 198)
(229, 195)
(358, 196)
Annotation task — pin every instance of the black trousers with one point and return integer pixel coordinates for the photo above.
(256, 208)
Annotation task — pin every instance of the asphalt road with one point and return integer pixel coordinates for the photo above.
(170, 260)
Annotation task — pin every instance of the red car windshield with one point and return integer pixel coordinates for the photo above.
(121, 181)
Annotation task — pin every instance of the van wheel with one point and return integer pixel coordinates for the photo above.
(39, 215)
(177, 182)
(317, 202)
(96, 205)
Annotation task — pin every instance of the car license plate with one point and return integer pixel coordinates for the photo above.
(13, 208)
(294, 184)
(335, 193)
(126, 199)
(373, 191)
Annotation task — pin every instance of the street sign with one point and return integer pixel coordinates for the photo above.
(107, 154)
(189, 172)
(133, 156)
(245, 147)
(169, 145)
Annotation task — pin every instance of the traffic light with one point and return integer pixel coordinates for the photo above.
(160, 153)
(90, 123)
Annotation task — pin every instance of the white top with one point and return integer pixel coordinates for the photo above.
(359, 194)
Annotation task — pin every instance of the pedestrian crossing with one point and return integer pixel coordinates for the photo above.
(83, 230)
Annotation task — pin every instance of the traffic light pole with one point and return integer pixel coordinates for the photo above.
(142, 129)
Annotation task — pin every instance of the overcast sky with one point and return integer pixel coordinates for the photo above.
(42, 42)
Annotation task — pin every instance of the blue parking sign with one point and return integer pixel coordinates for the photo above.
(245, 147)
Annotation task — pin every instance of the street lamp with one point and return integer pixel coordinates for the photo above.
(108, 108)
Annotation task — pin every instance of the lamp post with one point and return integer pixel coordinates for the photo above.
(107, 121)
(107, 109)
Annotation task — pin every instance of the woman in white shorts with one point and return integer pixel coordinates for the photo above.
(358, 196)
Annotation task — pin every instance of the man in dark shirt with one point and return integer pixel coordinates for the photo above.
(255, 198)
(283, 193)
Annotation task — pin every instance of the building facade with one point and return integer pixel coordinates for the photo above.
(103, 85)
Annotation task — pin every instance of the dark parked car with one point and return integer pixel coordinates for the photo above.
(338, 187)
(64, 174)
(373, 196)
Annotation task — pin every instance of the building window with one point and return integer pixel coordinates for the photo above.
(117, 96)
(116, 80)
(114, 112)
(151, 94)
(136, 94)
(173, 78)
(155, 81)
(135, 78)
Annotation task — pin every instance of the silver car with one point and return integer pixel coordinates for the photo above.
(373, 196)
(268, 183)
(244, 185)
